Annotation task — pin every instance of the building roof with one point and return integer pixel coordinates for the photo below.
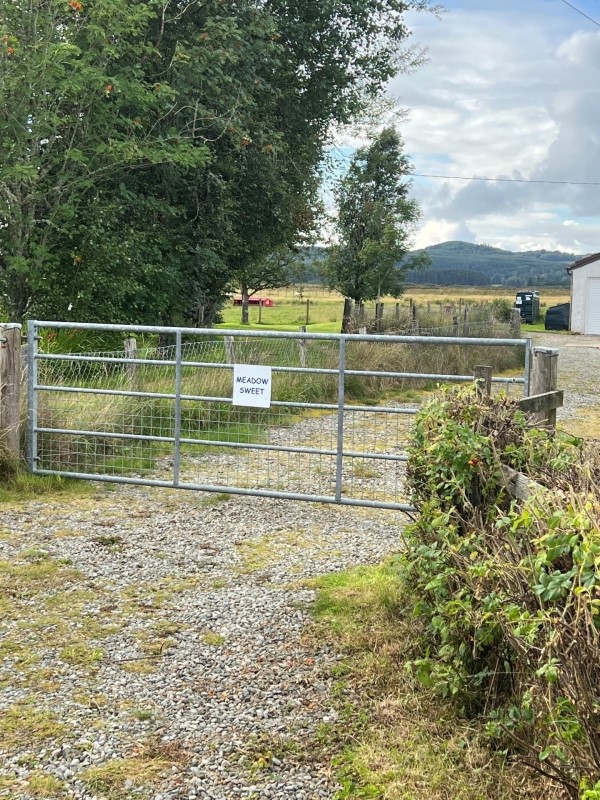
(583, 262)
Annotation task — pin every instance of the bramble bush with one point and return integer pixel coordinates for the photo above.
(510, 590)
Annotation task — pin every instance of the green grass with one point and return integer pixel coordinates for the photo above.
(213, 639)
(393, 740)
(288, 314)
(534, 327)
(23, 724)
(25, 486)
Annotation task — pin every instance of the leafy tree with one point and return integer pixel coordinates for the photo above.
(272, 272)
(87, 116)
(375, 221)
(150, 150)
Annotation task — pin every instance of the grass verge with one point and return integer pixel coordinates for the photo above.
(24, 486)
(393, 740)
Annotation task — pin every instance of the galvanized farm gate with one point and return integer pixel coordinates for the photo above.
(138, 413)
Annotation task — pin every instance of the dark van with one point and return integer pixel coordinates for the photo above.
(557, 317)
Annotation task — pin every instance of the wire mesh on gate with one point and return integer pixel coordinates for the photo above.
(164, 414)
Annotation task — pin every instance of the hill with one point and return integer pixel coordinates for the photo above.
(463, 263)
(466, 264)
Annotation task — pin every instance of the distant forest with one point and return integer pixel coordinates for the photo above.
(466, 264)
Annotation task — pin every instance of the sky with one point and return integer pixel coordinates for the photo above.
(511, 89)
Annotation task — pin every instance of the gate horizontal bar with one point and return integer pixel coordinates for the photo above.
(422, 375)
(108, 435)
(218, 443)
(303, 370)
(157, 362)
(206, 398)
(200, 487)
(376, 456)
(217, 332)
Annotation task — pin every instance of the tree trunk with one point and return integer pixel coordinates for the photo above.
(245, 303)
(166, 341)
(347, 316)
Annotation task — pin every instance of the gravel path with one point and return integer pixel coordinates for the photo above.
(155, 643)
(578, 370)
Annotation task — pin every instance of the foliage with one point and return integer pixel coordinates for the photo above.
(502, 309)
(272, 272)
(393, 739)
(509, 592)
(374, 223)
(158, 145)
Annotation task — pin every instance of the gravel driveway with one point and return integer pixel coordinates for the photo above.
(155, 643)
(578, 370)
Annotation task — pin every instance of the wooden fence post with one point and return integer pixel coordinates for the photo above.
(466, 327)
(397, 313)
(302, 347)
(515, 323)
(131, 351)
(260, 306)
(454, 325)
(308, 311)
(544, 378)
(414, 320)
(10, 387)
(347, 316)
(483, 380)
(378, 315)
(229, 349)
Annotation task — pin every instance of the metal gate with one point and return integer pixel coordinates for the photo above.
(164, 415)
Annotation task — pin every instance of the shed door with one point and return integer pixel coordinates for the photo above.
(592, 307)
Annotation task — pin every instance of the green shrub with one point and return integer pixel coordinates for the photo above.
(501, 309)
(510, 592)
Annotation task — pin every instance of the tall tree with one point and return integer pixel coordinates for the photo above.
(270, 273)
(148, 150)
(374, 224)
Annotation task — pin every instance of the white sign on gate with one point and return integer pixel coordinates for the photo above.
(252, 385)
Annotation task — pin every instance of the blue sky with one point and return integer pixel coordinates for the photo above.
(511, 89)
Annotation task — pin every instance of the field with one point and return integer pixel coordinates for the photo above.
(325, 307)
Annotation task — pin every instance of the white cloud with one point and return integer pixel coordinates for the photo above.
(435, 231)
(511, 90)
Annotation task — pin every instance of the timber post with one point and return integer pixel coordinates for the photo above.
(229, 349)
(544, 379)
(131, 351)
(302, 347)
(483, 380)
(515, 323)
(10, 388)
(347, 316)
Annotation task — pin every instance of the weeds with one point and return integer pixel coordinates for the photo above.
(23, 724)
(508, 592)
(392, 740)
(142, 769)
(213, 639)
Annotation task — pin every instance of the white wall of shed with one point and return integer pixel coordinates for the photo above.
(580, 277)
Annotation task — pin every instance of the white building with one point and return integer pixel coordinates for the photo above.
(585, 294)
